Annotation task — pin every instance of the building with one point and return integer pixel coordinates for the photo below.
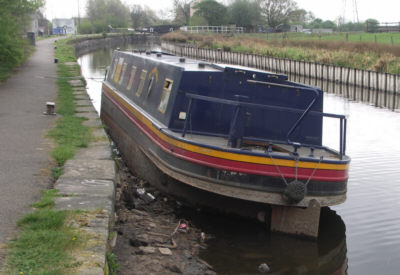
(64, 26)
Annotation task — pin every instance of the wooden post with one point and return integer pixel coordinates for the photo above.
(369, 86)
(377, 90)
(385, 92)
(362, 85)
(394, 93)
(316, 70)
(334, 74)
(355, 84)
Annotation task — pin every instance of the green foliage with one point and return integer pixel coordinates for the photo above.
(43, 245)
(244, 13)
(215, 13)
(112, 263)
(277, 12)
(143, 17)
(196, 20)
(14, 15)
(105, 13)
(47, 199)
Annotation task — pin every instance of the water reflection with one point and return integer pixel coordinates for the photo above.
(240, 246)
(382, 99)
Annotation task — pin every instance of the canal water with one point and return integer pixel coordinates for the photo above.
(361, 236)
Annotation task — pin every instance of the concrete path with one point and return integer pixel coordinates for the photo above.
(24, 151)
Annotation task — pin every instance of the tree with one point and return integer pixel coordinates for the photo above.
(244, 13)
(214, 12)
(105, 13)
(13, 17)
(143, 16)
(182, 11)
(371, 25)
(277, 12)
(301, 17)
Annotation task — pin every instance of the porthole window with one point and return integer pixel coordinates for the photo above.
(121, 76)
(165, 94)
(118, 70)
(131, 78)
(143, 75)
(114, 68)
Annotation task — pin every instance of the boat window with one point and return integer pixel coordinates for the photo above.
(162, 107)
(143, 75)
(118, 71)
(121, 76)
(114, 67)
(131, 77)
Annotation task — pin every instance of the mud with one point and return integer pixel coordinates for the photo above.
(150, 236)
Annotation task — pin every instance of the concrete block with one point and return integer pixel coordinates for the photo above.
(92, 123)
(88, 115)
(83, 203)
(83, 103)
(86, 109)
(95, 152)
(89, 169)
(76, 83)
(85, 187)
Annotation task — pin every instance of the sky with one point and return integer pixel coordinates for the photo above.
(383, 10)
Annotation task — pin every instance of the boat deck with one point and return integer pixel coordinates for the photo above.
(284, 150)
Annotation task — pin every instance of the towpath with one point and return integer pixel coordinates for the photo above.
(24, 151)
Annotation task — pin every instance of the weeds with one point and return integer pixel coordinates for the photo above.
(112, 263)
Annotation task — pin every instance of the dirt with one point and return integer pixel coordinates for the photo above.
(151, 238)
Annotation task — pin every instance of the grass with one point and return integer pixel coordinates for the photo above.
(362, 55)
(45, 242)
(383, 38)
(69, 133)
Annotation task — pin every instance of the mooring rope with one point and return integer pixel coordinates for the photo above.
(277, 168)
(315, 169)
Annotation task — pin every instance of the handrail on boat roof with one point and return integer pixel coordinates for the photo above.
(304, 113)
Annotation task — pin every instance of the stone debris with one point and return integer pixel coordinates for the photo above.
(165, 251)
(147, 250)
(143, 223)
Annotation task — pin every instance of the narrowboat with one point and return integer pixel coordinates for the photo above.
(228, 132)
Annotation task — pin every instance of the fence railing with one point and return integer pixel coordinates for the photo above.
(384, 84)
(216, 29)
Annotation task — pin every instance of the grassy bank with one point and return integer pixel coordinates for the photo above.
(382, 38)
(69, 132)
(362, 55)
(46, 242)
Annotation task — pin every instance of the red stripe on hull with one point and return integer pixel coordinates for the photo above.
(236, 166)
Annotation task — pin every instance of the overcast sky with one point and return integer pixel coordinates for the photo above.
(383, 10)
